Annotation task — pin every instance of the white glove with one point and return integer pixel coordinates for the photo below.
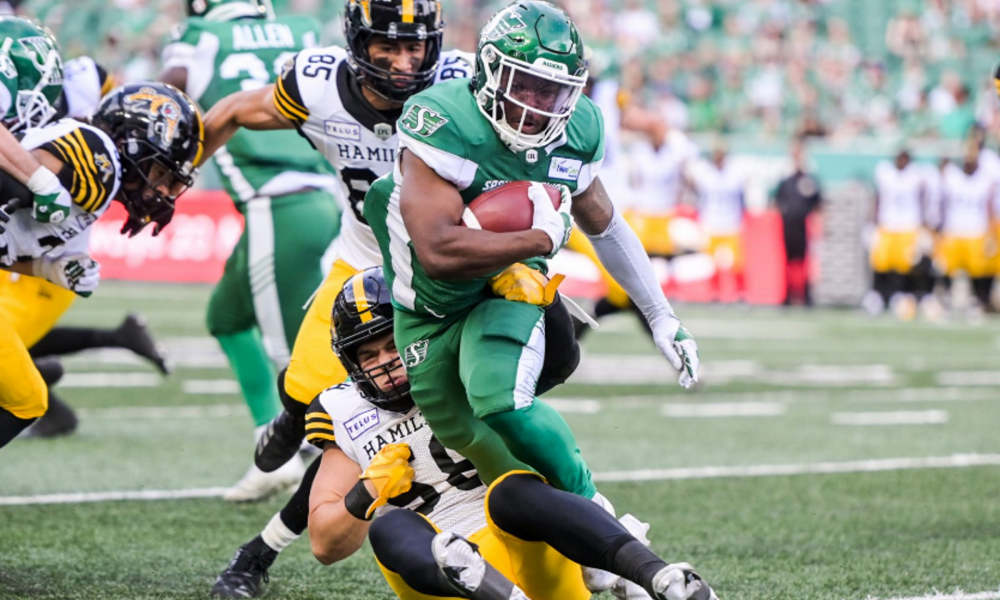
(75, 272)
(557, 224)
(676, 343)
(51, 200)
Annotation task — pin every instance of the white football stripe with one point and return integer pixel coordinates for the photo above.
(857, 466)
(164, 412)
(899, 417)
(968, 378)
(574, 405)
(210, 386)
(77, 498)
(723, 409)
(103, 380)
(955, 596)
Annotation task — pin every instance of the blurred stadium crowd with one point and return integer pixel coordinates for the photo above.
(768, 68)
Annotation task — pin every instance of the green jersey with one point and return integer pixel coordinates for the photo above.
(225, 57)
(444, 128)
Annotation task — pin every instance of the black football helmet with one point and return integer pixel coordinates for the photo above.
(362, 312)
(160, 137)
(409, 20)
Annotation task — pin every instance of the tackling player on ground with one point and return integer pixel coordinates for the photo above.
(279, 184)
(456, 537)
(473, 359)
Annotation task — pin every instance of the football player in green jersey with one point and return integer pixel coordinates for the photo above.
(281, 186)
(31, 79)
(472, 357)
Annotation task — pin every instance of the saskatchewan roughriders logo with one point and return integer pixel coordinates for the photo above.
(422, 121)
(414, 354)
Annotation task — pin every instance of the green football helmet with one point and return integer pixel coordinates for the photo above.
(530, 72)
(228, 10)
(31, 73)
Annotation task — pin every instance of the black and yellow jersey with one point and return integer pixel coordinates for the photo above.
(91, 173)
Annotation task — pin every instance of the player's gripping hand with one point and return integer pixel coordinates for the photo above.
(51, 200)
(75, 272)
(521, 283)
(677, 344)
(557, 224)
(391, 474)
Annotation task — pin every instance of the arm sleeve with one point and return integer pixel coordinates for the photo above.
(623, 256)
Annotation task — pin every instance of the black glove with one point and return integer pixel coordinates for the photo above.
(132, 226)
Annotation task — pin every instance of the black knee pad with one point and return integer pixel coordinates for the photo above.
(562, 351)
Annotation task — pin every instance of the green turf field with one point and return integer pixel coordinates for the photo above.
(828, 455)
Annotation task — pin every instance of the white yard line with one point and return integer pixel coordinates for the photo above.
(574, 405)
(824, 468)
(716, 410)
(857, 466)
(968, 378)
(110, 380)
(954, 596)
(77, 498)
(898, 417)
(210, 386)
(165, 412)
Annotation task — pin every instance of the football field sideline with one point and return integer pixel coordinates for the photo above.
(822, 468)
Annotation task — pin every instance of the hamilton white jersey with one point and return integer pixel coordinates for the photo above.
(659, 173)
(320, 94)
(84, 84)
(92, 180)
(901, 195)
(446, 488)
(967, 200)
(720, 196)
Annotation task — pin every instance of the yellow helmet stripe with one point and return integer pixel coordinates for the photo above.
(360, 300)
(408, 10)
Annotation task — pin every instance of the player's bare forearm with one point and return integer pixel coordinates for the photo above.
(432, 212)
(334, 533)
(592, 210)
(15, 160)
(252, 109)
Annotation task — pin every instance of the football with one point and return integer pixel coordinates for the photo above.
(505, 208)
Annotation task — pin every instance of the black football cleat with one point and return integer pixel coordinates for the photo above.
(51, 369)
(134, 335)
(247, 572)
(58, 420)
(280, 442)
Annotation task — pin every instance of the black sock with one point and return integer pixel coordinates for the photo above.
(66, 340)
(982, 287)
(295, 514)
(604, 307)
(11, 426)
(882, 283)
(401, 540)
(582, 531)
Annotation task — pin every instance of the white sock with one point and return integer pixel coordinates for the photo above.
(277, 535)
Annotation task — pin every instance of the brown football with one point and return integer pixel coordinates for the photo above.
(505, 208)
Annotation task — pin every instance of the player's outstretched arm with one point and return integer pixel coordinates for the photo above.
(623, 255)
(50, 199)
(254, 109)
(334, 533)
(432, 209)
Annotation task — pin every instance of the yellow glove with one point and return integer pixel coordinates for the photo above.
(521, 283)
(390, 472)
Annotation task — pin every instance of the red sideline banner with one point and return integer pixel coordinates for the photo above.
(192, 249)
(206, 227)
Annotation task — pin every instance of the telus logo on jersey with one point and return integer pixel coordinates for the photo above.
(361, 423)
(342, 130)
(567, 169)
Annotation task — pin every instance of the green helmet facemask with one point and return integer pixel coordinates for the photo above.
(530, 72)
(29, 55)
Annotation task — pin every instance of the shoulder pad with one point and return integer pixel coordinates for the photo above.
(93, 163)
(308, 81)
(340, 401)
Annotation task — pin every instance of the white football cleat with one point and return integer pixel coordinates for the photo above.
(678, 581)
(257, 485)
(467, 570)
(626, 590)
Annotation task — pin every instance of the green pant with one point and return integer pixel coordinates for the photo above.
(275, 268)
(257, 307)
(473, 376)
